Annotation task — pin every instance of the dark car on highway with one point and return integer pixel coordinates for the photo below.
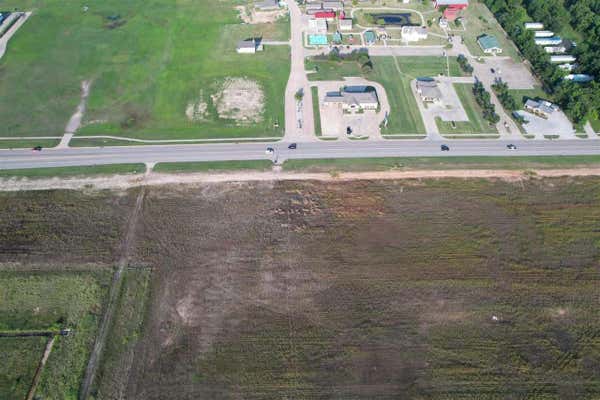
(444, 147)
(293, 146)
(511, 146)
(37, 148)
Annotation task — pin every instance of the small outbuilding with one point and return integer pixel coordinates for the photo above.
(318, 26)
(249, 46)
(489, 44)
(267, 5)
(370, 37)
(451, 3)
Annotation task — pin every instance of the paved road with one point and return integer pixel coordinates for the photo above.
(256, 151)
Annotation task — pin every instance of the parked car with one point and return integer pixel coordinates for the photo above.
(270, 150)
(348, 130)
(293, 146)
(511, 146)
(444, 147)
(37, 148)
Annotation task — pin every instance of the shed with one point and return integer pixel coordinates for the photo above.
(249, 46)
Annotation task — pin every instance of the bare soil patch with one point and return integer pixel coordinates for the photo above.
(196, 110)
(240, 99)
(249, 15)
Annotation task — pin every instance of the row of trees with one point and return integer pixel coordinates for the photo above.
(579, 101)
(464, 64)
(483, 98)
(360, 56)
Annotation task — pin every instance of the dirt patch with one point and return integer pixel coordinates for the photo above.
(240, 99)
(250, 16)
(196, 110)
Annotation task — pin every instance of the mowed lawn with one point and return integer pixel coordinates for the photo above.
(147, 59)
(476, 123)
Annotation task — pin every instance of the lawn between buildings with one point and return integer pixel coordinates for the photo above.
(405, 117)
(147, 64)
(476, 124)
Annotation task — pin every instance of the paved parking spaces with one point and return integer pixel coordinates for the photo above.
(556, 124)
(516, 75)
(449, 108)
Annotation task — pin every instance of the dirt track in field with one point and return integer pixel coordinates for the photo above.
(121, 182)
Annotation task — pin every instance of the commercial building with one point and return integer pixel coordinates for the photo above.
(354, 98)
(489, 44)
(428, 90)
(540, 108)
(318, 26)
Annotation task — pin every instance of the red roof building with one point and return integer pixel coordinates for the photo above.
(451, 13)
(325, 15)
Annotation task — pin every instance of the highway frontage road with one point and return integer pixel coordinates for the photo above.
(20, 158)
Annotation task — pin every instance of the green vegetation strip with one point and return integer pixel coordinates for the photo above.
(213, 166)
(20, 358)
(25, 144)
(437, 163)
(73, 171)
(316, 112)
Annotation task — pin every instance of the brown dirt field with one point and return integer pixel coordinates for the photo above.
(63, 226)
(371, 290)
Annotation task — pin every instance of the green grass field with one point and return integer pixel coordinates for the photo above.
(316, 110)
(211, 166)
(43, 300)
(20, 358)
(595, 124)
(476, 123)
(438, 163)
(52, 172)
(479, 20)
(24, 144)
(147, 61)
(429, 66)
(521, 95)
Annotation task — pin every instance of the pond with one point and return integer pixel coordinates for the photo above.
(402, 19)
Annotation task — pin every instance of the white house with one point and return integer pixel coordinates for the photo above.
(318, 26)
(413, 33)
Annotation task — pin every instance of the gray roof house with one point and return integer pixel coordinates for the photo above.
(540, 108)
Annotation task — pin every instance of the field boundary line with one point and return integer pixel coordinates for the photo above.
(115, 289)
(38, 371)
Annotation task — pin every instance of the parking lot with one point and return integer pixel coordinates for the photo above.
(516, 75)
(556, 124)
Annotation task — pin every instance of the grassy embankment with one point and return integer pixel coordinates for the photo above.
(25, 144)
(147, 65)
(440, 163)
(62, 172)
(213, 166)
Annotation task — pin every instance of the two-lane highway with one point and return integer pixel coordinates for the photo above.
(10, 159)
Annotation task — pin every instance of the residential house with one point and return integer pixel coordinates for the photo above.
(318, 26)
(413, 33)
(460, 4)
(345, 24)
(267, 5)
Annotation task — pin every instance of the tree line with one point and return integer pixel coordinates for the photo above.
(579, 101)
